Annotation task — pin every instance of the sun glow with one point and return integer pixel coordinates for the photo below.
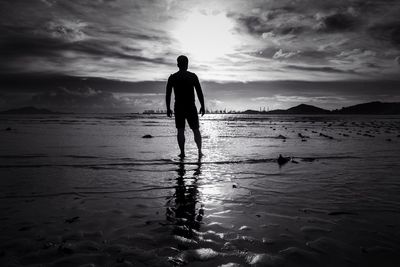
(206, 37)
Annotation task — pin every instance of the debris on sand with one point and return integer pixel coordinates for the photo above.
(73, 219)
(25, 228)
(8, 129)
(281, 137)
(283, 160)
(147, 136)
(303, 136)
(368, 135)
(327, 136)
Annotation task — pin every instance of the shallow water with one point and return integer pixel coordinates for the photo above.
(88, 189)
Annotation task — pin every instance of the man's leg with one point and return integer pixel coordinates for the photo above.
(197, 139)
(181, 141)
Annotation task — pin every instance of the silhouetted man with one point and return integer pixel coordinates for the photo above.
(184, 82)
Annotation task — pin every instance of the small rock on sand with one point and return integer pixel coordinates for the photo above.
(71, 220)
(281, 137)
(25, 228)
(283, 160)
(147, 136)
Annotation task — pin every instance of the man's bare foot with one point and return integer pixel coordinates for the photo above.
(200, 154)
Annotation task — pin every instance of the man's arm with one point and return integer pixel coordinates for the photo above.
(168, 97)
(199, 92)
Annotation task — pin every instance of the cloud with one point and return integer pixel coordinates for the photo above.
(215, 104)
(280, 54)
(49, 3)
(254, 24)
(78, 98)
(272, 23)
(68, 30)
(389, 32)
(88, 99)
(318, 69)
(138, 40)
(66, 48)
(336, 22)
(39, 82)
(357, 58)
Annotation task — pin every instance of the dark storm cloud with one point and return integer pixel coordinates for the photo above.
(254, 24)
(338, 22)
(299, 23)
(389, 31)
(20, 44)
(93, 38)
(258, 25)
(28, 83)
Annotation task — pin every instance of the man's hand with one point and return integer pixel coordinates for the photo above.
(169, 113)
(202, 111)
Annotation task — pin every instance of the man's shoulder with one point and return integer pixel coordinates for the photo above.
(173, 75)
(192, 74)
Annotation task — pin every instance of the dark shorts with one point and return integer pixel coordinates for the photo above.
(186, 113)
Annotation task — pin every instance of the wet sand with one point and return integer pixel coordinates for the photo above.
(79, 196)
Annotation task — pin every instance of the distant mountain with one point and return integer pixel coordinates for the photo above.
(251, 111)
(302, 109)
(29, 110)
(376, 108)
(372, 108)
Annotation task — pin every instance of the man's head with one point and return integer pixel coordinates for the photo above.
(183, 62)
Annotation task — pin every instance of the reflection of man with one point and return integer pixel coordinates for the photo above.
(181, 209)
(183, 83)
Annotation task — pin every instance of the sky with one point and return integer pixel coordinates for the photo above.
(116, 55)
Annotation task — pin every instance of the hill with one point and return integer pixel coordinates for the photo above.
(252, 111)
(300, 109)
(372, 108)
(29, 110)
(303, 109)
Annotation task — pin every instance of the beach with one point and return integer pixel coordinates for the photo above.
(88, 190)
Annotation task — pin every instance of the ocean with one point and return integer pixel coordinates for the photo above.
(88, 189)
